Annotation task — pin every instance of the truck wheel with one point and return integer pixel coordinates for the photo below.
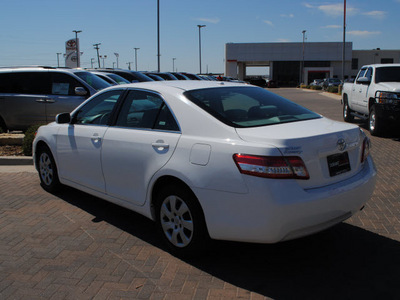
(3, 126)
(374, 123)
(347, 116)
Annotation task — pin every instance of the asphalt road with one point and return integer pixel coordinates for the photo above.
(75, 246)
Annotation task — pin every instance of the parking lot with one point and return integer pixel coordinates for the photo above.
(75, 246)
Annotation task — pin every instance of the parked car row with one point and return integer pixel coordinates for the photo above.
(326, 83)
(35, 95)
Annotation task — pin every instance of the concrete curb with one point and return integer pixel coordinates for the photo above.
(16, 161)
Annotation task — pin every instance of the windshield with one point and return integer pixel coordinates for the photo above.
(92, 80)
(387, 74)
(248, 106)
(118, 79)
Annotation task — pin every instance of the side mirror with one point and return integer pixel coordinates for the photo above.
(80, 91)
(363, 80)
(63, 118)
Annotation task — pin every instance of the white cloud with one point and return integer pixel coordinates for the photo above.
(333, 26)
(290, 15)
(376, 14)
(333, 10)
(209, 20)
(286, 40)
(268, 22)
(362, 33)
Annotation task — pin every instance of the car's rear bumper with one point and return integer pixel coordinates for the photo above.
(277, 210)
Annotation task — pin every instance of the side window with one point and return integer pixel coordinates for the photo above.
(63, 84)
(143, 109)
(98, 110)
(361, 73)
(368, 74)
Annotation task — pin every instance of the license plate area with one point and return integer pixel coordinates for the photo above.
(338, 164)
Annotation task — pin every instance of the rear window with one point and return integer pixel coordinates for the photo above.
(248, 106)
(92, 80)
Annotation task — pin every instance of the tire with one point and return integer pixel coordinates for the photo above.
(3, 126)
(180, 221)
(47, 169)
(347, 116)
(375, 124)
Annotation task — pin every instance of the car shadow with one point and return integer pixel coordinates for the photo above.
(344, 262)
(391, 132)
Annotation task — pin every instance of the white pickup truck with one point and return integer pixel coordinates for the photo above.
(374, 96)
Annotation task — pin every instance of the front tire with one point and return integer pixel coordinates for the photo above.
(375, 124)
(180, 221)
(47, 170)
(347, 116)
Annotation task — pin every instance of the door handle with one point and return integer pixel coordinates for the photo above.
(160, 146)
(96, 138)
(41, 100)
(50, 101)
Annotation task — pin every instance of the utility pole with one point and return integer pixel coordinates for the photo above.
(96, 46)
(136, 49)
(158, 36)
(302, 63)
(173, 64)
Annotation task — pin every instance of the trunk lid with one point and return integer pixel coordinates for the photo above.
(318, 142)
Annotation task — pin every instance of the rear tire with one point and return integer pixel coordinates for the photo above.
(180, 221)
(47, 169)
(3, 126)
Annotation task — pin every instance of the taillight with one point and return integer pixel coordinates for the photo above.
(365, 149)
(279, 167)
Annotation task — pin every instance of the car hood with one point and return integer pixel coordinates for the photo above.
(312, 140)
(388, 86)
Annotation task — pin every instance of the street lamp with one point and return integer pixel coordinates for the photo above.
(344, 38)
(158, 36)
(58, 59)
(173, 64)
(117, 56)
(200, 26)
(92, 62)
(103, 57)
(77, 47)
(96, 46)
(136, 49)
(302, 63)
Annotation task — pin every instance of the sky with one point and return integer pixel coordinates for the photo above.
(32, 32)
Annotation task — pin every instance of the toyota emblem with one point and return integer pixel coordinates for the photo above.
(341, 144)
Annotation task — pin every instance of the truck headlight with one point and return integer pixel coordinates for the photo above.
(386, 97)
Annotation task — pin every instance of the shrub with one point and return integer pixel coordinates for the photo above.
(316, 87)
(28, 140)
(333, 89)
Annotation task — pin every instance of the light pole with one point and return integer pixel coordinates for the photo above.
(200, 26)
(117, 56)
(302, 63)
(129, 64)
(158, 36)
(344, 39)
(173, 64)
(77, 47)
(103, 57)
(96, 46)
(92, 62)
(58, 59)
(136, 49)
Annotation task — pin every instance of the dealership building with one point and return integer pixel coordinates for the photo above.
(292, 63)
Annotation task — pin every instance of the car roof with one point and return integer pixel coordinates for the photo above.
(183, 85)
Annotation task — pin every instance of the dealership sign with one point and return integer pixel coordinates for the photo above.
(71, 53)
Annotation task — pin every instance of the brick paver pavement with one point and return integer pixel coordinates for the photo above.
(75, 246)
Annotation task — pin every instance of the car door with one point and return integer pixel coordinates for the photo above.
(357, 89)
(24, 98)
(363, 92)
(141, 143)
(62, 96)
(79, 144)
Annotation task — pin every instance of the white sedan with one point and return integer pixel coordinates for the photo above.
(209, 159)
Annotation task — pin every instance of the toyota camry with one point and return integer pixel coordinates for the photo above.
(204, 159)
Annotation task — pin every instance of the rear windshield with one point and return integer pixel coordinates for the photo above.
(387, 74)
(248, 106)
(92, 80)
